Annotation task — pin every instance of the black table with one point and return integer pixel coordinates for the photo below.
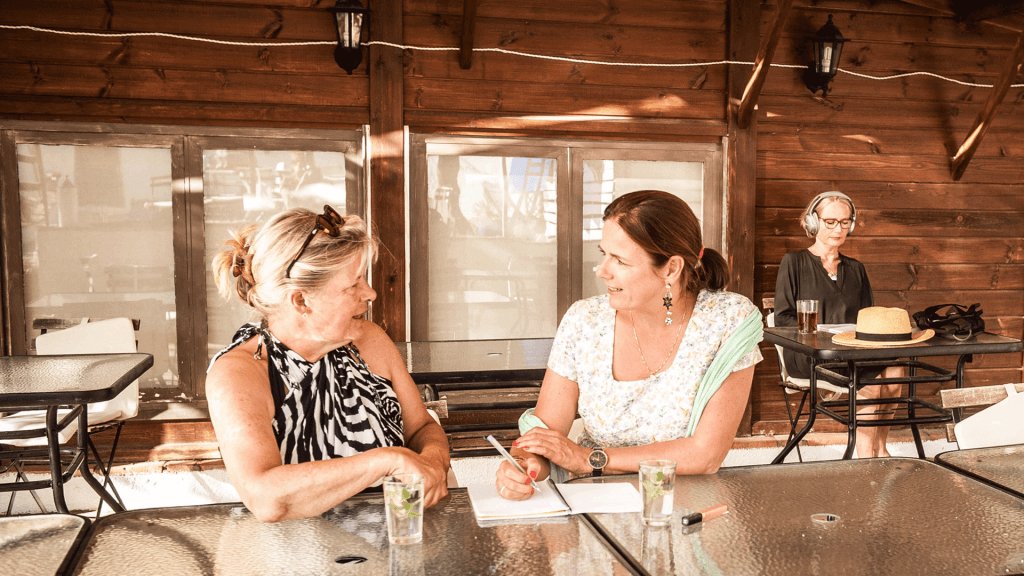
(40, 545)
(349, 539)
(825, 355)
(476, 360)
(877, 517)
(51, 382)
(508, 372)
(999, 466)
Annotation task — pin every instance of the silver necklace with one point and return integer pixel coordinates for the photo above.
(679, 333)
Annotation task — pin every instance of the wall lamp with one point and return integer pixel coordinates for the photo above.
(828, 45)
(350, 17)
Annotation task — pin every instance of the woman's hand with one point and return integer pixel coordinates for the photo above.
(515, 485)
(556, 448)
(433, 470)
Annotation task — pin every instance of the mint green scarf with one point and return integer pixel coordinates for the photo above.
(741, 343)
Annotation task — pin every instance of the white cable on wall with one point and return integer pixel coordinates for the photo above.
(498, 50)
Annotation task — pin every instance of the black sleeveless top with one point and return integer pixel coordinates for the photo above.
(331, 408)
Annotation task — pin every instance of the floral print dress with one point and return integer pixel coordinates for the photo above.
(654, 409)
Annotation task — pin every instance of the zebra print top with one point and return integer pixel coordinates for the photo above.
(331, 408)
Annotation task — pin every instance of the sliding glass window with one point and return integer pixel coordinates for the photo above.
(504, 232)
(123, 221)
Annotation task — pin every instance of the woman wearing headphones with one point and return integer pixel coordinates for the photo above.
(840, 285)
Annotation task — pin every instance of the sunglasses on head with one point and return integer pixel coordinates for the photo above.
(330, 223)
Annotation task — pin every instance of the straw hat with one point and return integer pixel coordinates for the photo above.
(878, 326)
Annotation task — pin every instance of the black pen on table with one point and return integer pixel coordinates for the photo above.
(713, 512)
(509, 457)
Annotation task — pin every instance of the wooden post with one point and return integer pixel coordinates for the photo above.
(387, 167)
(762, 63)
(984, 119)
(744, 26)
(468, 27)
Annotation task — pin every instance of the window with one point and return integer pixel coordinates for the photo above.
(122, 221)
(504, 233)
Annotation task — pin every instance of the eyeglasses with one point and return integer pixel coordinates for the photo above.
(330, 223)
(831, 223)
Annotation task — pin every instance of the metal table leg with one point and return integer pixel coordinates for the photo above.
(83, 440)
(795, 440)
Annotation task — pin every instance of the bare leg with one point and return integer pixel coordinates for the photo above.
(888, 391)
(865, 434)
(871, 441)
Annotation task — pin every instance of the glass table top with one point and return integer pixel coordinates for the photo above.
(349, 539)
(873, 517)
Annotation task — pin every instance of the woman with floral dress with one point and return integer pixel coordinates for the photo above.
(658, 367)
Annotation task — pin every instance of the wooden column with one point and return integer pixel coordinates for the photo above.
(741, 186)
(387, 166)
(12, 271)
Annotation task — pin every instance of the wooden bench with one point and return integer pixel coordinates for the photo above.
(956, 399)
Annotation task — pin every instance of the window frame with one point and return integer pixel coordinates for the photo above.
(571, 155)
(186, 144)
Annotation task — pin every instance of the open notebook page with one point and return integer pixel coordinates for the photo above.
(582, 498)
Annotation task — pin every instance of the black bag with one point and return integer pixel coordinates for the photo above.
(956, 321)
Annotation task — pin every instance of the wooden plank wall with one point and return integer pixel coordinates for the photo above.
(162, 80)
(514, 95)
(924, 239)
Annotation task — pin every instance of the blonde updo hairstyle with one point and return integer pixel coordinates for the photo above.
(253, 262)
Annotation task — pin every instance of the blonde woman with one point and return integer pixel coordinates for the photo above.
(313, 403)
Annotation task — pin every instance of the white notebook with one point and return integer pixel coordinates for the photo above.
(578, 499)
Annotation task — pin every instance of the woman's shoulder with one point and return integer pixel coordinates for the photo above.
(851, 261)
(376, 349)
(797, 256)
(590, 307)
(237, 368)
(725, 302)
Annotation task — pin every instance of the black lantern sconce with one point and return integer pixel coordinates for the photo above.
(828, 45)
(350, 17)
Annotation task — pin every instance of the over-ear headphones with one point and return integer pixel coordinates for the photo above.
(811, 220)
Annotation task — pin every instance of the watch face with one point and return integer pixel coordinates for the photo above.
(598, 459)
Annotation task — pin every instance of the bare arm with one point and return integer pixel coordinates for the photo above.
(423, 435)
(556, 407)
(242, 409)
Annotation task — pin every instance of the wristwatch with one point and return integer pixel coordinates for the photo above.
(598, 459)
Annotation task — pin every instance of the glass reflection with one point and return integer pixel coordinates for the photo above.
(491, 247)
(97, 242)
(606, 180)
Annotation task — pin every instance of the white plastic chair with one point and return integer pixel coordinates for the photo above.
(802, 386)
(113, 336)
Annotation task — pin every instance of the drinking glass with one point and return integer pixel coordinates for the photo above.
(403, 502)
(807, 316)
(657, 481)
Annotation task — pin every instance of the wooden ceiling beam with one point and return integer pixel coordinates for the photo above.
(468, 27)
(761, 65)
(984, 119)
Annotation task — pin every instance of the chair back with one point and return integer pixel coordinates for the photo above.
(770, 320)
(113, 336)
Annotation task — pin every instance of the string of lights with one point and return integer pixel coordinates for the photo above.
(497, 50)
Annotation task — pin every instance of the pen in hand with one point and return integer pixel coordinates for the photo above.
(509, 457)
(713, 512)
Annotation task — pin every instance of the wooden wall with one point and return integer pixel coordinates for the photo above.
(923, 238)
